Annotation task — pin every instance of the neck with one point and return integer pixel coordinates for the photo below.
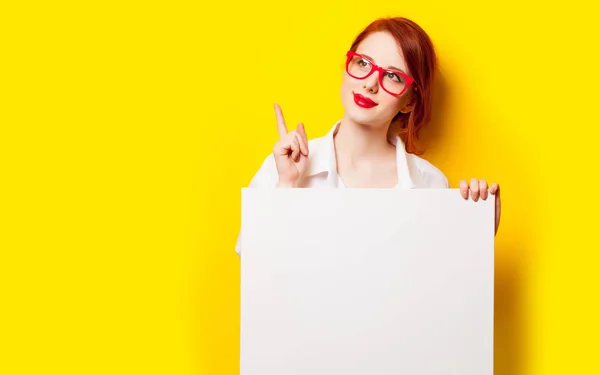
(356, 141)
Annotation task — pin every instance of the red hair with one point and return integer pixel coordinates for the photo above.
(421, 60)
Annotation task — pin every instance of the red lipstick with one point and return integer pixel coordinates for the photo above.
(363, 101)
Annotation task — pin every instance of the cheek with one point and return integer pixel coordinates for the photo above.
(395, 104)
(389, 104)
(348, 85)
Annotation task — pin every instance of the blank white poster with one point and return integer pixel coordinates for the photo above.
(366, 282)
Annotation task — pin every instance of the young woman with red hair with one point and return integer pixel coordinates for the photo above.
(386, 95)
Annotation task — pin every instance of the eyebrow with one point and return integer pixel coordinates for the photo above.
(389, 67)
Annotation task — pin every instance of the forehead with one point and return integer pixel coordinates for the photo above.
(383, 49)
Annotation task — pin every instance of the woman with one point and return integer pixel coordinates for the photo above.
(386, 95)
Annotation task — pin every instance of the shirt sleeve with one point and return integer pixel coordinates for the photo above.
(446, 183)
(265, 177)
(439, 181)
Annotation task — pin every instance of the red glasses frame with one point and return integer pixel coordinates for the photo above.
(376, 68)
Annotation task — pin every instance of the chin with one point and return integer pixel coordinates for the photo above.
(359, 116)
(372, 117)
(367, 117)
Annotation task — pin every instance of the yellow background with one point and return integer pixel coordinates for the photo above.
(128, 129)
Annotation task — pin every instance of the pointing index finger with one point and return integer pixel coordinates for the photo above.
(281, 128)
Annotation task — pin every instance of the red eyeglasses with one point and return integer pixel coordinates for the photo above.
(392, 81)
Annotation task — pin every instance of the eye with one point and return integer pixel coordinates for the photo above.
(363, 63)
(394, 77)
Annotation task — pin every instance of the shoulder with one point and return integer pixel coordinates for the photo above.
(431, 176)
(318, 147)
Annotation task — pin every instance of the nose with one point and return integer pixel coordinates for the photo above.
(371, 83)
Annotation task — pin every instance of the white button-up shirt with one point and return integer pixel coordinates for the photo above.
(414, 172)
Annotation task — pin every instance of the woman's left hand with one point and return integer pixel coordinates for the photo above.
(479, 189)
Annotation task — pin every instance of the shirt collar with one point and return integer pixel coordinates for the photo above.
(323, 161)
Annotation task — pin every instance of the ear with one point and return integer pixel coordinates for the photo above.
(407, 108)
(410, 104)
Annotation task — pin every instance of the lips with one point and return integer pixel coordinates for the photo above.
(363, 101)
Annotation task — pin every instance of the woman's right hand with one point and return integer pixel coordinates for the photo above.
(290, 152)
